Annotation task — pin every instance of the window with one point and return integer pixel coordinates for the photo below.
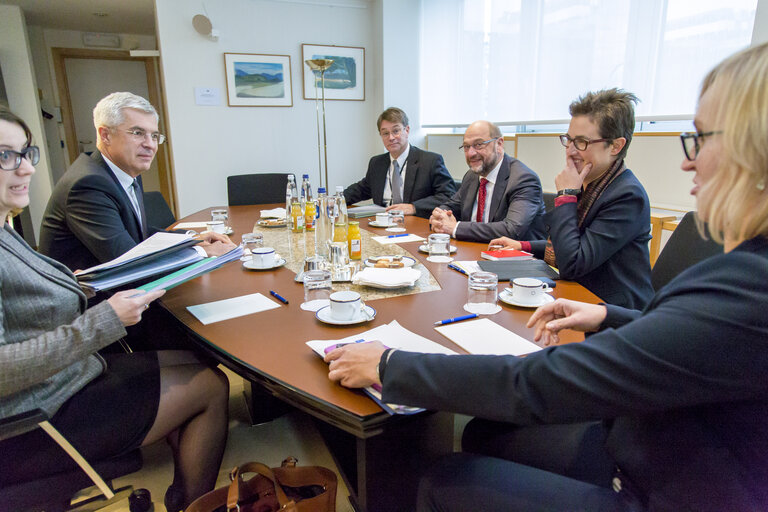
(524, 61)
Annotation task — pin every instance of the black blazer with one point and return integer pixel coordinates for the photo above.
(89, 218)
(427, 181)
(517, 206)
(609, 254)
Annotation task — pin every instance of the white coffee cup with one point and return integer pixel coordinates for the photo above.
(263, 257)
(382, 219)
(528, 290)
(345, 305)
(217, 226)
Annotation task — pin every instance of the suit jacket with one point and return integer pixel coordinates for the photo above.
(48, 338)
(427, 181)
(681, 386)
(517, 205)
(89, 218)
(609, 253)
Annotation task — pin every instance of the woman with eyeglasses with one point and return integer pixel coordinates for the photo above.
(664, 409)
(599, 228)
(105, 406)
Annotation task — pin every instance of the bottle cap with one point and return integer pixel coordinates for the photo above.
(339, 188)
(305, 176)
(354, 222)
(321, 190)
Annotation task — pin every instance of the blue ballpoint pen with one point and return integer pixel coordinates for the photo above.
(278, 297)
(397, 236)
(457, 268)
(457, 319)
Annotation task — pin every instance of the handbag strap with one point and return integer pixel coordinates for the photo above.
(233, 495)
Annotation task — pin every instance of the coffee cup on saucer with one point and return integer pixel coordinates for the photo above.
(382, 219)
(528, 290)
(345, 305)
(263, 257)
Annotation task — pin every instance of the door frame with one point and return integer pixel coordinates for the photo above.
(156, 98)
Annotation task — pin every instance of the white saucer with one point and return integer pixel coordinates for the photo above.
(227, 231)
(425, 248)
(439, 259)
(250, 266)
(407, 261)
(377, 225)
(495, 310)
(506, 297)
(324, 315)
(395, 230)
(314, 305)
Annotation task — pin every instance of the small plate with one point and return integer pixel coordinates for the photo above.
(266, 224)
(506, 297)
(425, 248)
(227, 231)
(250, 266)
(407, 261)
(324, 315)
(377, 225)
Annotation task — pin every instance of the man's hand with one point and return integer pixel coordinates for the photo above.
(215, 244)
(506, 243)
(355, 365)
(130, 304)
(565, 314)
(442, 221)
(570, 177)
(406, 208)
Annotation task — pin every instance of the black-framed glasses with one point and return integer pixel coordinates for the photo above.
(692, 142)
(140, 135)
(580, 143)
(10, 160)
(477, 146)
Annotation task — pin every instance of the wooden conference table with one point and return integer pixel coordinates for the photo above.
(381, 455)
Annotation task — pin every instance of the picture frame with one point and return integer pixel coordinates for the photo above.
(258, 80)
(344, 80)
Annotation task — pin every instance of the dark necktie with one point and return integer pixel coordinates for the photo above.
(397, 184)
(481, 201)
(141, 213)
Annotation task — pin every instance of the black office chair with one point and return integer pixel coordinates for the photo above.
(683, 249)
(158, 212)
(549, 200)
(257, 188)
(52, 492)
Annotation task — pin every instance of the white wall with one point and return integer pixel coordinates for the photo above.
(211, 142)
(21, 87)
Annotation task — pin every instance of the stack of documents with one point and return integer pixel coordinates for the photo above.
(370, 210)
(485, 336)
(190, 272)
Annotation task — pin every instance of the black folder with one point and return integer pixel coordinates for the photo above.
(508, 270)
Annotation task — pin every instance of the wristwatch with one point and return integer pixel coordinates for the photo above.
(569, 192)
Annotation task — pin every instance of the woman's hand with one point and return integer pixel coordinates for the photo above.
(565, 314)
(506, 243)
(130, 304)
(355, 365)
(570, 177)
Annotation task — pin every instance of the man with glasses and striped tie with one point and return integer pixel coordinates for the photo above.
(499, 195)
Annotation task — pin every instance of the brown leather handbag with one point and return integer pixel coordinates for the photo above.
(288, 488)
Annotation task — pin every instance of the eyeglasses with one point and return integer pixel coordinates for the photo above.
(10, 160)
(396, 132)
(141, 135)
(580, 143)
(692, 142)
(477, 146)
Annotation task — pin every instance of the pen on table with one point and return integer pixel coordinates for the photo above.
(457, 268)
(278, 297)
(397, 236)
(457, 319)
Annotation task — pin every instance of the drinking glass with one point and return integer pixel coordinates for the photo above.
(439, 248)
(317, 289)
(251, 241)
(482, 292)
(397, 221)
(221, 214)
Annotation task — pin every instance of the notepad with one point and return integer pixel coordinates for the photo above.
(232, 308)
(485, 336)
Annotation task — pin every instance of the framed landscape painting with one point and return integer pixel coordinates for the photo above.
(255, 80)
(344, 80)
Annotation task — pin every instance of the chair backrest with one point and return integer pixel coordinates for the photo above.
(549, 201)
(683, 249)
(158, 212)
(257, 188)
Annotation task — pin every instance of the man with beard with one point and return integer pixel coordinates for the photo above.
(498, 194)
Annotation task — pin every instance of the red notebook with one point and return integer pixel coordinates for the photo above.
(506, 254)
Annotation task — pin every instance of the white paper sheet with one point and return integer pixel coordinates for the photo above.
(484, 336)
(155, 243)
(190, 225)
(384, 240)
(232, 308)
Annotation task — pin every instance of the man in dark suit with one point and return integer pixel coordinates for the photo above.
(406, 178)
(509, 201)
(96, 210)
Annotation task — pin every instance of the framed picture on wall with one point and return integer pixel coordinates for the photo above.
(344, 80)
(256, 80)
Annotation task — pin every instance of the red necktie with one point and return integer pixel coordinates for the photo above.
(481, 201)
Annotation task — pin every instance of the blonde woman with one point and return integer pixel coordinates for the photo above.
(664, 409)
